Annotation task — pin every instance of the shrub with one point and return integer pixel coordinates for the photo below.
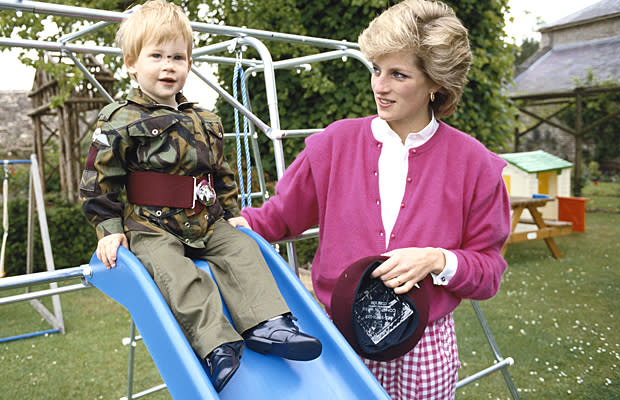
(73, 240)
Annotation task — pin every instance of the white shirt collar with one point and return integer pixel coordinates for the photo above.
(383, 133)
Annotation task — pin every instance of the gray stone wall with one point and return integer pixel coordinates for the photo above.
(582, 33)
(16, 128)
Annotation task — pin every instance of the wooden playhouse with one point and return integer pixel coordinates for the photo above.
(537, 172)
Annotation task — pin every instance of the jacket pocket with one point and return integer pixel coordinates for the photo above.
(155, 141)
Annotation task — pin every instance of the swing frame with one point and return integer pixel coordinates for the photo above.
(240, 37)
(35, 200)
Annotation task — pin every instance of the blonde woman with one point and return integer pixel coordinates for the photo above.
(404, 184)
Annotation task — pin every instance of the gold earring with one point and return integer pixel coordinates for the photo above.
(432, 97)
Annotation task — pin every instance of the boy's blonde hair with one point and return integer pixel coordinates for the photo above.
(436, 39)
(156, 21)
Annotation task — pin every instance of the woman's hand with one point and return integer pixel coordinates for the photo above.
(239, 221)
(406, 267)
(107, 247)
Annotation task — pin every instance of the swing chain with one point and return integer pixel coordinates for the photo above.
(245, 191)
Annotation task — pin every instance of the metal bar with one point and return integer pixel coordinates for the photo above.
(255, 120)
(308, 234)
(28, 335)
(272, 100)
(299, 132)
(42, 293)
(95, 27)
(146, 392)
(494, 348)
(90, 76)
(313, 58)
(57, 46)
(223, 60)
(214, 48)
(61, 10)
(11, 282)
(489, 370)
(130, 363)
(14, 161)
(45, 237)
(115, 16)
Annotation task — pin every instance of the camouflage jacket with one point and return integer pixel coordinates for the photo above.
(140, 135)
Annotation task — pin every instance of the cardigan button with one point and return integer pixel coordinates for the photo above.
(375, 173)
(378, 202)
(409, 179)
(402, 205)
(392, 236)
(381, 233)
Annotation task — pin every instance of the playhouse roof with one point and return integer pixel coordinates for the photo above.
(536, 161)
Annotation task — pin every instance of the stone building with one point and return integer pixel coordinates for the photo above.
(575, 51)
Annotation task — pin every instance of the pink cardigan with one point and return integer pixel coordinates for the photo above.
(455, 198)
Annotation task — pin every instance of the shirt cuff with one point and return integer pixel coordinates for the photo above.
(109, 226)
(449, 270)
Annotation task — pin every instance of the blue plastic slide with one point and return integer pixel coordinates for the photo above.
(337, 374)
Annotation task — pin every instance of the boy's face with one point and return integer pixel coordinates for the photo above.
(161, 70)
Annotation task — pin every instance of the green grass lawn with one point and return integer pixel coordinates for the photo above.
(556, 318)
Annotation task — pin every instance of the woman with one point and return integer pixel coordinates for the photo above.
(405, 185)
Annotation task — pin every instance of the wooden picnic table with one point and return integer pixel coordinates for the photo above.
(545, 230)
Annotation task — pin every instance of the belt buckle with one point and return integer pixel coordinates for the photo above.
(204, 192)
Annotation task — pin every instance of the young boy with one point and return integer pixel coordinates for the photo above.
(168, 156)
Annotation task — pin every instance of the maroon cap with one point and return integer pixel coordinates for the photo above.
(378, 323)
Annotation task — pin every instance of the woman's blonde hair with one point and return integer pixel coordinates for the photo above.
(436, 39)
(156, 21)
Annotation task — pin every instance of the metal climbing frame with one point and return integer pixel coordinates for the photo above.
(35, 201)
(239, 37)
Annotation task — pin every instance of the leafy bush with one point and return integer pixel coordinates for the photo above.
(72, 239)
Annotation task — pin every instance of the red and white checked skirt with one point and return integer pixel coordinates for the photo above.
(429, 371)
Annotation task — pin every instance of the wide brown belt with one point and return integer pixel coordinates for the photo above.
(167, 190)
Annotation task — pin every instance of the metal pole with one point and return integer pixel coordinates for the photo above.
(90, 76)
(60, 275)
(330, 55)
(44, 293)
(15, 162)
(132, 351)
(57, 46)
(495, 349)
(255, 120)
(116, 16)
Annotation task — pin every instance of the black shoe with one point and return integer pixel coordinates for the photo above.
(223, 362)
(281, 337)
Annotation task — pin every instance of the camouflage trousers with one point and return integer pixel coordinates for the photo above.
(244, 280)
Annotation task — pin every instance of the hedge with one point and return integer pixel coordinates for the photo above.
(72, 239)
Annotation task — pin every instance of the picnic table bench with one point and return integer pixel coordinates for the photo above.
(544, 229)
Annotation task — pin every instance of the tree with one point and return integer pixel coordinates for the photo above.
(28, 25)
(331, 90)
(528, 47)
(337, 90)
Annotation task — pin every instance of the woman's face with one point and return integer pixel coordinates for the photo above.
(402, 92)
